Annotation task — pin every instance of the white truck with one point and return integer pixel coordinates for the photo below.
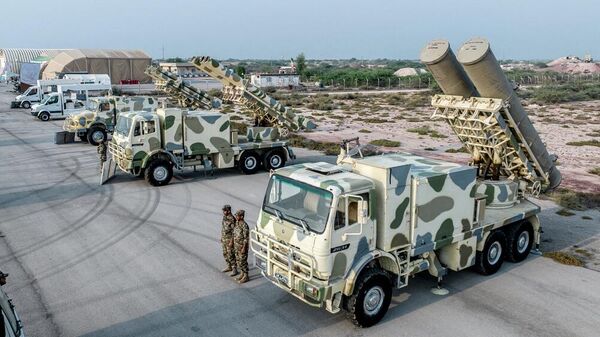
(153, 144)
(68, 99)
(344, 236)
(37, 93)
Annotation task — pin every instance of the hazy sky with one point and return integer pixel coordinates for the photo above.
(523, 29)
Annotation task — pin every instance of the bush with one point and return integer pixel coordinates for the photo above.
(385, 143)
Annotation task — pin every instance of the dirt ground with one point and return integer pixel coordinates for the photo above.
(406, 118)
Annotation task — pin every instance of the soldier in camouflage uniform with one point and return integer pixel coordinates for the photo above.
(241, 238)
(102, 147)
(227, 225)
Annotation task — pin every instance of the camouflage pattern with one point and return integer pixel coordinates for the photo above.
(186, 95)
(498, 194)
(418, 207)
(227, 225)
(189, 137)
(82, 121)
(264, 108)
(241, 239)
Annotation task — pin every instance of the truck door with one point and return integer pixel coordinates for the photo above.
(349, 238)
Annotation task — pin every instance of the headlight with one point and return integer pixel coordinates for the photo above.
(311, 291)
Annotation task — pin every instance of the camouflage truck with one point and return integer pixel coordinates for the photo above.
(93, 124)
(153, 144)
(344, 236)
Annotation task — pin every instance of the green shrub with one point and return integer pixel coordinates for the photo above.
(385, 143)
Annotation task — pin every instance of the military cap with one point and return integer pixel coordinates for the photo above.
(227, 207)
(3, 274)
(241, 212)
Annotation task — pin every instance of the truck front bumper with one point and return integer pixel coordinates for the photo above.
(15, 104)
(292, 271)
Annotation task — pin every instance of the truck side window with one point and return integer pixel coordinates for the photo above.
(33, 92)
(353, 211)
(340, 215)
(137, 130)
(148, 127)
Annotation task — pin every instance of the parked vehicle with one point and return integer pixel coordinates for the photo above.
(37, 93)
(93, 124)
(68, 99)
(152, 145)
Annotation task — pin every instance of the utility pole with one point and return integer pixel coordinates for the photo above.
(163, 52)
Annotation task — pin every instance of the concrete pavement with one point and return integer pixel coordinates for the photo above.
(128, 259)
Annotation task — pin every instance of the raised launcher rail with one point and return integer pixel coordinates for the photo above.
(494, 128)
(265, 108)
(186, 95)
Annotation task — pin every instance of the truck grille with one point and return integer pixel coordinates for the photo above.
(118, 155)
(280, 261)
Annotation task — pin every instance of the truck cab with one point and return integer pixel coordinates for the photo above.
(33, 94)
(55, 106)
(315, 220)
(93, 124)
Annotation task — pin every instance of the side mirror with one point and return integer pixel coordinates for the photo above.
(363, 212)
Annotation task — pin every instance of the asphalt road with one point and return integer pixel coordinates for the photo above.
(127, 259)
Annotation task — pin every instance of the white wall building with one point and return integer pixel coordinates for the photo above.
(275, 80)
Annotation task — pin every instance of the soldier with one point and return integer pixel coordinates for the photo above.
(227, 225)
(241, 238)
(102, 147)
(3, 277)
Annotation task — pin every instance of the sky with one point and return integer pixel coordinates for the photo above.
(321, 29)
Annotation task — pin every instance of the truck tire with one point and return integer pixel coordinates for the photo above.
(249, 162)
(273, 160)
(44, 116)
(26, 105)
(489, 260)
(370, 299)
(95, 135)
(159, 172)
(519, 240)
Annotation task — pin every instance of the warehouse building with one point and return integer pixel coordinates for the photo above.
(11, 59)
(120, 65)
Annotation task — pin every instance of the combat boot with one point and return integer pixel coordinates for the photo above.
(243, 278)
(234, 272)
(227, 269)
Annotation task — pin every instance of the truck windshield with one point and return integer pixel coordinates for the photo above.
(298, 203)
(123, 126)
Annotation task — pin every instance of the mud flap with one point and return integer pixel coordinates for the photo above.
(109, 168)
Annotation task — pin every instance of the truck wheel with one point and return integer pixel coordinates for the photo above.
(489, 260)
(274, 160)
(370, 299)
(95, 135)
(519, 239)
(26, 105)
(249, 162)
(44, 116)
(159, 172)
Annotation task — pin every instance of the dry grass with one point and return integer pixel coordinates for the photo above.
(565, 258)
(579, 201)
(385, 143)
(461, 150)
(329, 148)
(364, 131)
(593, 142)
(595, 171)
(565, 212)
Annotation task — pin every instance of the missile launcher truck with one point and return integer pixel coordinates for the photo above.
(186, 95)
(153, 144)
(344, 236)
(93, 124)
(266, 110)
